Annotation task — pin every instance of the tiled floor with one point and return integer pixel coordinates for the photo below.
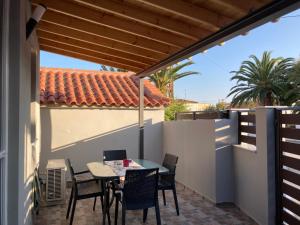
(193, 210)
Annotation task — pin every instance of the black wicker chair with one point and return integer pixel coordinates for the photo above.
(167, 181)
(139, 192)
(82, 189)
(109, 155)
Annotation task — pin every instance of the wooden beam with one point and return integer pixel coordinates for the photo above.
(144, 54)
(106, 32)
(274, 9)
(44, 35)
(88, 52)
(93, 52)
(241, 7)
(203, 17)
(97, 17)
(82, 56)
(143, 16)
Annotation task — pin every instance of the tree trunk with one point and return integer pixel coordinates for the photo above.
(268, 101)
(172, 89)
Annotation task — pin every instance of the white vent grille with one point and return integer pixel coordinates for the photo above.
(55, 190)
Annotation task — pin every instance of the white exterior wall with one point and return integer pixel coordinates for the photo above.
(212, 164)
(23, 104)
(82, 134)
(193, 142)
(204, 151)
(255, 171)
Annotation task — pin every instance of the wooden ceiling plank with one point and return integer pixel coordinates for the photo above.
(113, 22)
(144, 54)
(44, 35)
(147, 17)
(90, 53)
(45, 41)
(102, 31)
(204, 17)
(79, 55)
(242, 7)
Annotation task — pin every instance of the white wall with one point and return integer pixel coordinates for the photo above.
(255, 171)
(23, 101)
(202, 146)
(82, 133)
(211, 163)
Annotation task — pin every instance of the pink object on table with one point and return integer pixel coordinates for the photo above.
(125, 162)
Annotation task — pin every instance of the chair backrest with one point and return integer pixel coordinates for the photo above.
(170, 162)
(72, 173)
(140, 188)
(70, 168)
(109, 155)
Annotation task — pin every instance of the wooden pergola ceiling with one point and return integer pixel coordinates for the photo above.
(134, 34)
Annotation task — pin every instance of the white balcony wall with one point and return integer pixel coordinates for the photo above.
(254, 171)
(82, 133)
(205, 156)
(212, 164)
(23, 110)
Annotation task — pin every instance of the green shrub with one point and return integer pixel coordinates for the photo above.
(173, 108)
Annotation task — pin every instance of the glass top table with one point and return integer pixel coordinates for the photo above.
(102, 171)
(106, 173)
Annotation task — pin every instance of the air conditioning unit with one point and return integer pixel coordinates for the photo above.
(56, 181)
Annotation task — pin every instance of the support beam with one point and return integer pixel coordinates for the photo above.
(97, 17)
(141, 118)
(124, 10)
(99, 55)
(271, 11)
(79, 55)
(143, 54)
(106, 32)
(48, 37)
(240, 7)
(203, 17)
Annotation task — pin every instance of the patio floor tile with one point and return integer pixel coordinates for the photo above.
(194, 210)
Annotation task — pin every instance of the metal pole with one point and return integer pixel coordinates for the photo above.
(278, 166)
(239, 127)
(141, 118)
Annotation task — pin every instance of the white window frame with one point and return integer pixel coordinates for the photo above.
(4, 110)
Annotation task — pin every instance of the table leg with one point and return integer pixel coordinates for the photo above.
(105, 188)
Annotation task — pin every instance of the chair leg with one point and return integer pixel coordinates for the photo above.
(164, 196)
(145, 213)
(116, 211)
(157, 213)
(175, 199)
(94, 204)
(70, 203)
(73, 211)
(123, 215)
(107, 203)
(101, 198)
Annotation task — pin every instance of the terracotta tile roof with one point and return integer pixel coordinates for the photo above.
(101, 88)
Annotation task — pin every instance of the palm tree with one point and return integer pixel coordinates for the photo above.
(164, 79)
(111, 69)
(293, 93)
(262, 80)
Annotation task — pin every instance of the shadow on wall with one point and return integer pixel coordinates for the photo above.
(89, 149)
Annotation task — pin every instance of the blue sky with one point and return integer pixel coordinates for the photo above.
(282, 38)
